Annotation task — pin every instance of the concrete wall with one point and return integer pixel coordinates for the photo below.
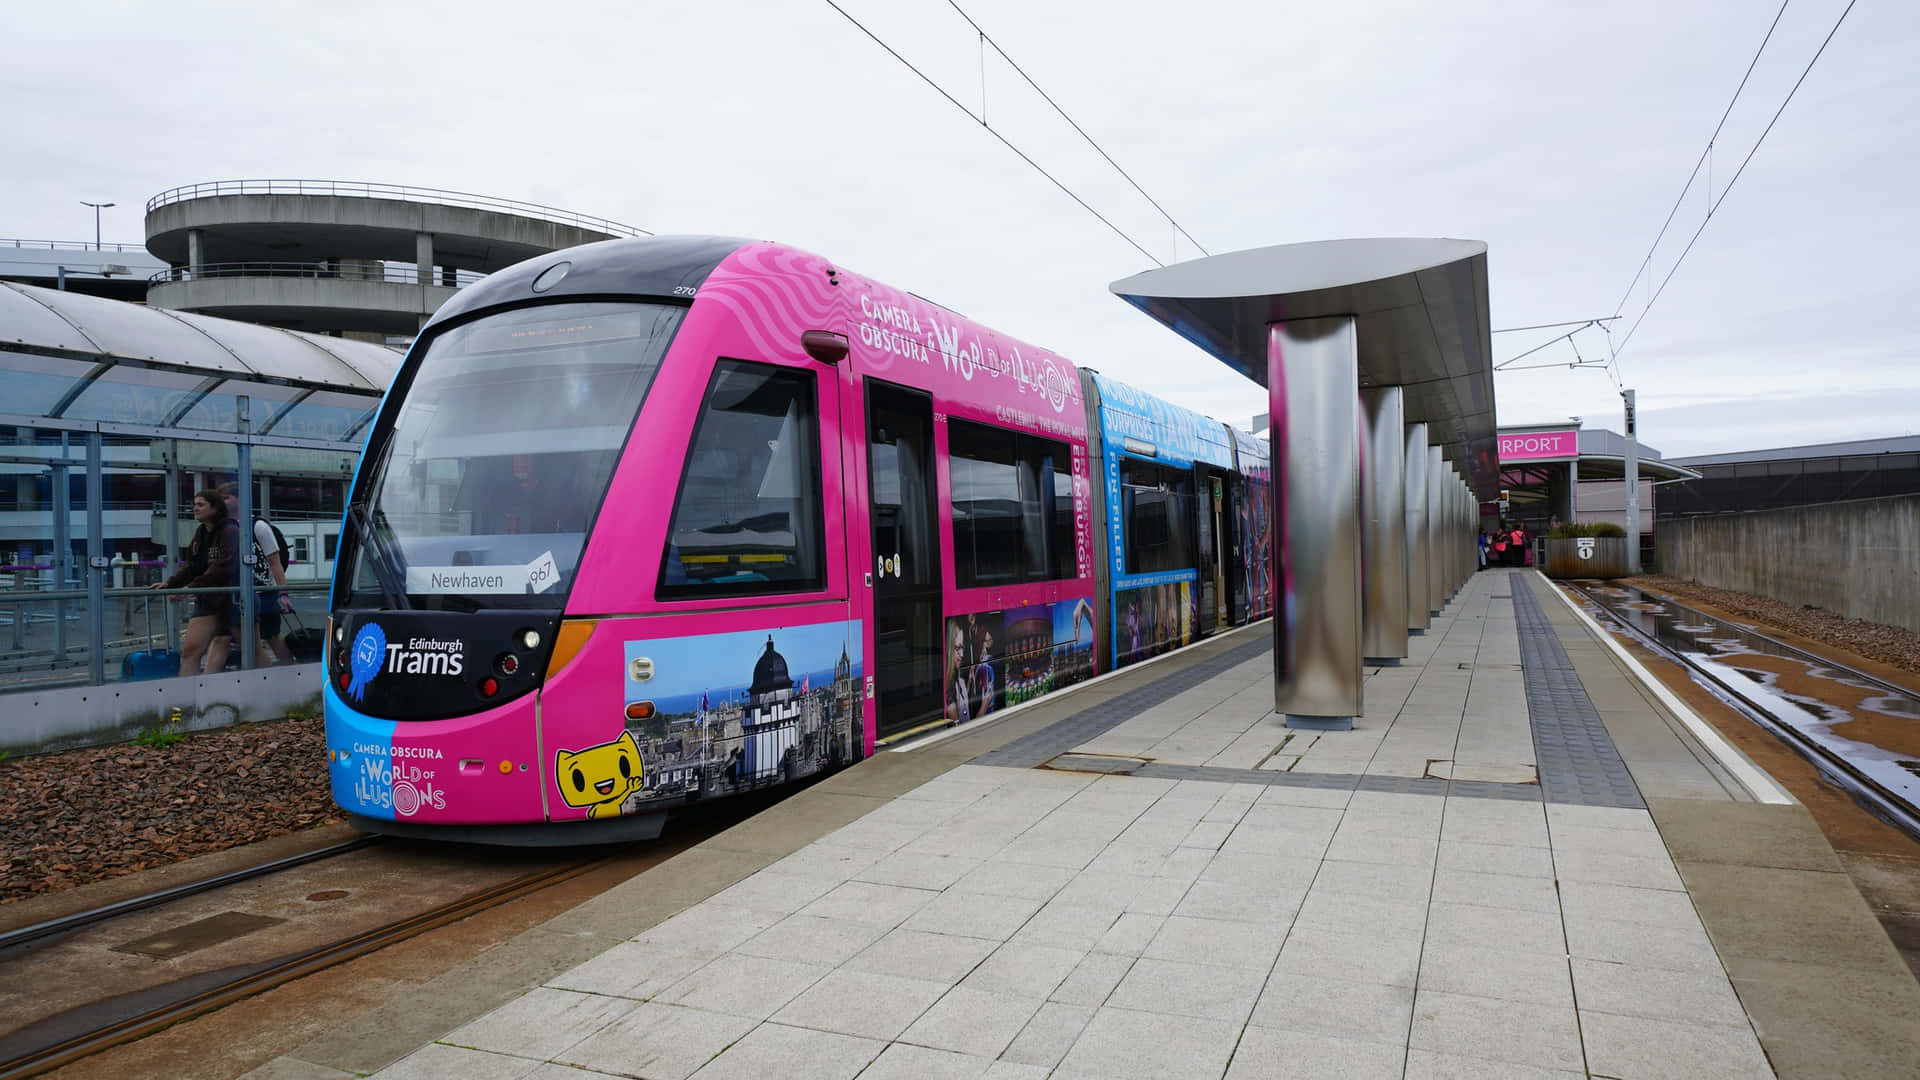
(38, 722)
(1861, 559)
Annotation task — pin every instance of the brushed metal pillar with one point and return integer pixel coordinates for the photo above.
(1415, 478)
(1383, 544)
(1313, 375)
(1453, 533)
(1436, 530)
(1460, 574)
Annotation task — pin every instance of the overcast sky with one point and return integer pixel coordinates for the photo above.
(1558, 132)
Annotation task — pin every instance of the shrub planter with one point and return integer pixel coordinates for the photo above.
(1587, 557)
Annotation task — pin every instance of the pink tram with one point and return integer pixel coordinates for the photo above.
(658, 520)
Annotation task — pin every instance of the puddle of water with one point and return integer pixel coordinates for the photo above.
(1874, 727)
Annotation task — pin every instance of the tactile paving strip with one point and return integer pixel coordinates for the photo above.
(1407, 785)
(1576, 757)
(1062, 736)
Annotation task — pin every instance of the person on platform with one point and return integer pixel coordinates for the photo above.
(213, 561)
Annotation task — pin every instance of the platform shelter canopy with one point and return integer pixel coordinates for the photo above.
(1420, 311)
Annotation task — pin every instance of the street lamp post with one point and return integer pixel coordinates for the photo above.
(97, 207)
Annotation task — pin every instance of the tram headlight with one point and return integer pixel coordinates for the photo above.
(530, 639)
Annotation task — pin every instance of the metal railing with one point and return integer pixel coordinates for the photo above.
(401, 192)
(70, 245)
(396, 273)
(46, 638)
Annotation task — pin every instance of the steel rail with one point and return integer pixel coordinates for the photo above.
(64, 924)
(1889, 805)
(275, 973)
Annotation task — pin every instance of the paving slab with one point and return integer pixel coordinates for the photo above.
(1514, 866)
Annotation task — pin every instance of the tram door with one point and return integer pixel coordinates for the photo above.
(906, 557)
(1210, 564)
(1234, 549)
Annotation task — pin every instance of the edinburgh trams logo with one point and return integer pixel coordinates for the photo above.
(372, 655)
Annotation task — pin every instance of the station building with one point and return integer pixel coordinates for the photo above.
(330, 256)
(1747, 480)
(1553, 473)
(114, 414)
(266, 319)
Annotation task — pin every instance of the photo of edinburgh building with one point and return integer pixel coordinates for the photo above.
(746, 709)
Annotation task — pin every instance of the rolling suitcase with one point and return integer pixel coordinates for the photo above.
(150, 663)
(306, 643)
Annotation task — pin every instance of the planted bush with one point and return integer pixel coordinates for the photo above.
(1585, 528)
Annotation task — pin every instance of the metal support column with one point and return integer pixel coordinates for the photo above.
(64, 578)
(1384, 542)
(1436, 530)
(1415, 477)
(1313, 374)
(249, 597)
(1573, 492)
(96, 561)
(1632, 483)
(170, 546)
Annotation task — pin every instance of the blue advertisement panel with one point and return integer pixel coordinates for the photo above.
(1153, 611)
(1162, 431)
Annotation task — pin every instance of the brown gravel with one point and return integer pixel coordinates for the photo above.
(1893, 645)
(86, 815)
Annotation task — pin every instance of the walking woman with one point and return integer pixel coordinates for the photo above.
(212, 561)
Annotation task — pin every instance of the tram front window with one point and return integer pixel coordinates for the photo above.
(507, 436)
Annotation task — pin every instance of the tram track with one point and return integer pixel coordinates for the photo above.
(14, 940)
(64, 1042)
(1708, 670)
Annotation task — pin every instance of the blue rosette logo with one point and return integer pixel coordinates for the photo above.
(369, 653)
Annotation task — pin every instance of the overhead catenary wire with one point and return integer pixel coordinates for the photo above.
(981, 119)
(1705, 154)
(1734, 179)
(1044, 96)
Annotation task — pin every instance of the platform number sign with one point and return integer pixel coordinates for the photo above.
(1584, 545)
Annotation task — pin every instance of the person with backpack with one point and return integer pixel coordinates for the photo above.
(270, 554)
(213, 556)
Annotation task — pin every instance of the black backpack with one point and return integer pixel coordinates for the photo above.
(280, 539)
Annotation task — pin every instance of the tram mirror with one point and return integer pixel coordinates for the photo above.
(825, 345)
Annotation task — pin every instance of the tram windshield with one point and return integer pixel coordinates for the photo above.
(501, 452)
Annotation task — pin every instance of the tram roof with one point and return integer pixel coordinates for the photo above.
(1421, 311)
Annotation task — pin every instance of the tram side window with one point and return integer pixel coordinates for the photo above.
(1157, 505)
(747, 518)
(1012, 506)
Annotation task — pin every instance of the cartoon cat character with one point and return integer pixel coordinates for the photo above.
(600, 777)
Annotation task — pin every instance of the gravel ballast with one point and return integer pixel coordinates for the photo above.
(1893, 645)
(87, 815)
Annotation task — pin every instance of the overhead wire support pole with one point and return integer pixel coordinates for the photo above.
(1567, 337)
(1582, 323)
